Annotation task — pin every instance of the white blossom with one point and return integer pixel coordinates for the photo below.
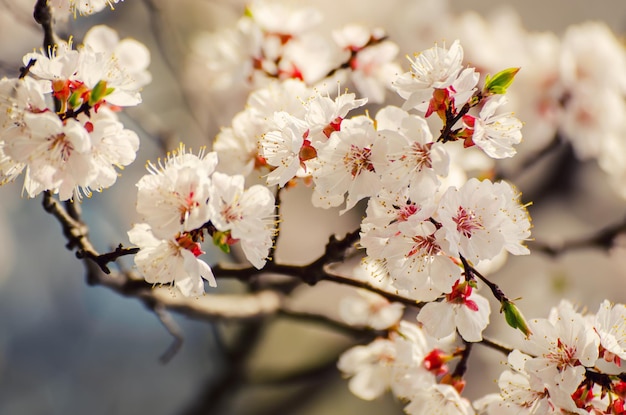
(281, 148)
(408, 156)
(343, 165)
(248, 214)
(482, 218)
(170, 261)
(436, 68)
(463, 310)
(610, 324)
(369, 367)
(172, 198)
(495, 134)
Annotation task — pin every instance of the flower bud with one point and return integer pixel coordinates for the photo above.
(499, 83)
(99, 92)
(514, 317)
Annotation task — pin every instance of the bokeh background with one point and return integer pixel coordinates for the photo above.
(68, 348)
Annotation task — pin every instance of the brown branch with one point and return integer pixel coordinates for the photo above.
(24, 70)
(216, 307)
(471, 272)
(347, 64)
(461, 366)
(272, 252)
(43, 16)
(104, 259)
(495, 345)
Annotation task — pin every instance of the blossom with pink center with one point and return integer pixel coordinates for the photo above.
(172, 197)
(521, 393)
(324, 114)
(344, 165)
(238, 145)
(481, 219)
(408, 156)
(104, 69)
(565, 345)
(371, 59)
(58, 155)
(415, 260)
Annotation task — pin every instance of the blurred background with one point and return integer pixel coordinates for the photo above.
(68, 348)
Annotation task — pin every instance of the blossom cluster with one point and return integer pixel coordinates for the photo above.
(570, 91)
(420, 172)
(420, 223)
(570, 364)
(274, 40)
(181, 200)
(58, 120)
(411, 364)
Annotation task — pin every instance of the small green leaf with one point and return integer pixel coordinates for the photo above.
(499, 83)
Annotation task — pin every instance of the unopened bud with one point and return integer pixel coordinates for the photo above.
(99, 92)
(514, 317)
(499, 83)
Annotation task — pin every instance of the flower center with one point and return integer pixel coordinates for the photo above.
(63, 146)
(407, 211)
(187, 206)
(426, 245)
(358, 159)
(230, 214)
(466, 222)
(420, 153)
(563, 355)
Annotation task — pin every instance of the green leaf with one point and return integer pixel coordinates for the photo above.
(499, 83)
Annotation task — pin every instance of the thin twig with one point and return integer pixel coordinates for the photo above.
(272, 252)
(461, 366)
(471, 272)
(172, 328)
(496, 345)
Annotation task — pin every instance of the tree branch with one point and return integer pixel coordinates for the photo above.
(170, 325)
(43, 16)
